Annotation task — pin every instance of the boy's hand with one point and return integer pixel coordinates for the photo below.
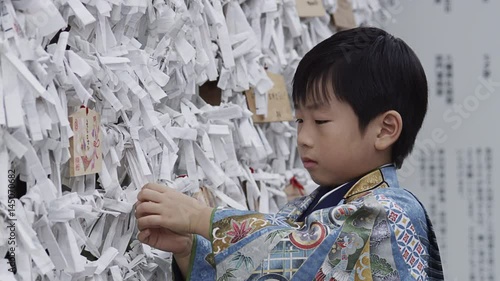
(161, 206)
(169, 241)
(166, 240)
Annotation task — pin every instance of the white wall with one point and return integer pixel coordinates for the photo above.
(464, 130)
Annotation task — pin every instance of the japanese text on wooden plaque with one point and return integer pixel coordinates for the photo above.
(278, 103)
(85, 145)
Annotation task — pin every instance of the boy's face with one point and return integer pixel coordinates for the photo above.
(330, 143)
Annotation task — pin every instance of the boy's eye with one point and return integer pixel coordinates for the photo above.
(299, 121)
(319, 122)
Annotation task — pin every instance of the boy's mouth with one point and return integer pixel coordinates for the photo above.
(309, 163)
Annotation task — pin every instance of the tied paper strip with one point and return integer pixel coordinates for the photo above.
(139, 65)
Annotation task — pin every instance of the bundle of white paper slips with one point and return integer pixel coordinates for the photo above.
(139, 64)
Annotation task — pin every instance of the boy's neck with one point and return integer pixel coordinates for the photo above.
(360, 175)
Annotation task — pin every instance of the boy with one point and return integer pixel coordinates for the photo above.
(360, 99)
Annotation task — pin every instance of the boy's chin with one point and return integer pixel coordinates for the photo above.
(322, 180)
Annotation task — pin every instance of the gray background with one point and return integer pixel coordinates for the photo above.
(467, 32)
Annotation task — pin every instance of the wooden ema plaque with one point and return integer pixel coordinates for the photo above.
(278, 103)
(85, 145)
(343, 17)
(310, 8)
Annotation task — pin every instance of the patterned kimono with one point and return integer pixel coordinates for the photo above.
(379, 231)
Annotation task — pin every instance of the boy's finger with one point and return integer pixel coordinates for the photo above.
(157, 187)
(147, 208)
(137, 203)
(144, 236)
(138, 212)
(149, 195)
(151, 221)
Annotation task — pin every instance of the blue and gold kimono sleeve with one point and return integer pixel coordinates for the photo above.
(383, 234)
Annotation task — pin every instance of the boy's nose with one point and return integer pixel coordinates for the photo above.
(304, 139)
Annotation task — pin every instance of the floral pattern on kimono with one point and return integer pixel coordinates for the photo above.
(378, 232)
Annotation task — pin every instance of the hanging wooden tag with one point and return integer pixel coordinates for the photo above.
(344, 15)
(278, 103)
(85, 145)
(310, 8)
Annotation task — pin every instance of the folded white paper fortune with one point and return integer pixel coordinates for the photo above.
(139, 65)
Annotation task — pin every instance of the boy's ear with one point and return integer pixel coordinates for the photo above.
(389, 127)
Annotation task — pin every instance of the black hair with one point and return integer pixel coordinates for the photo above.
(373, 72)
